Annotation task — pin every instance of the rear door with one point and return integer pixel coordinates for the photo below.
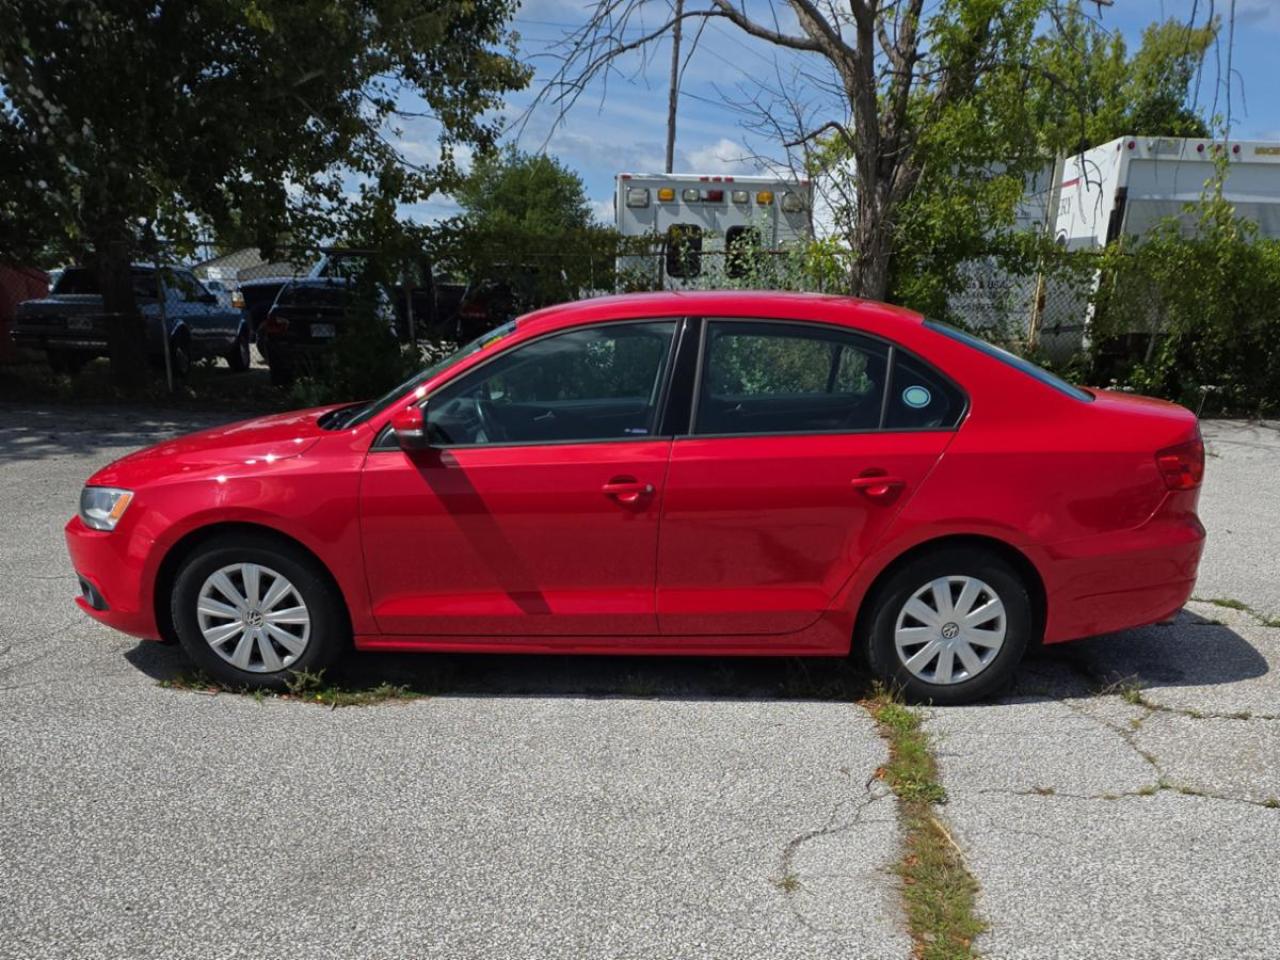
(796, 462)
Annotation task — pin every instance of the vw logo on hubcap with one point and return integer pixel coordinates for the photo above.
(950, 630)
(254, 618)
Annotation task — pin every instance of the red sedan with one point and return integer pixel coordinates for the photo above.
(694, 473)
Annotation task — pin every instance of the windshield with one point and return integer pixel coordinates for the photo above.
(358, 414)
(1004, 356)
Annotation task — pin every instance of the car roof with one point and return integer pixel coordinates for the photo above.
(750, 304)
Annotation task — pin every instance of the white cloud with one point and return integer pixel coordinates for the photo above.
(1258, 13)
(602, 210)
(723, 156)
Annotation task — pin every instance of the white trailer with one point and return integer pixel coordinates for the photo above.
(698, 223)
(1126, 186)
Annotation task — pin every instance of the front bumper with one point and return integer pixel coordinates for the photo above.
(112, 581)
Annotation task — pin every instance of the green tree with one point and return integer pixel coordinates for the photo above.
(1070, 87)
(123, 121)
(526, 222)
(1088, 89)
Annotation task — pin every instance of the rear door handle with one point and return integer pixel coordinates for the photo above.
(878, 486)
(627, 489)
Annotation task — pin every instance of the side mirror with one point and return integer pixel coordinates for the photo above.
(208, 298)
(410, 428)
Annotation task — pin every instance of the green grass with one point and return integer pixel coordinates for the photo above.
(938, 891)
(1228, 602)
(304, 687)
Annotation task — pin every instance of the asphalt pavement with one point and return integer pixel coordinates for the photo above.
(1117, 804)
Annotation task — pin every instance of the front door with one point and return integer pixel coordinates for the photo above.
(792, 473)
(535, 512)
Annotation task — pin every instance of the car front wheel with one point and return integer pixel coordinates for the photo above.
(949, 627)
(251, 612)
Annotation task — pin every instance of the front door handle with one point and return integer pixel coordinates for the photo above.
(878, 485)
(627, 489)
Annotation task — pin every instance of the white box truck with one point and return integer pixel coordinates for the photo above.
(1125, 187)
(698, 224)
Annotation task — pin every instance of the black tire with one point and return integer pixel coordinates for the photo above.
(280, 365)
(877, 637)
(238, 359)
(330, 630)
(180, 357)
(66, 361)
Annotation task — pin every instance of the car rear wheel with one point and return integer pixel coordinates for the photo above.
(280, 365)
(252, 612)
(238, 359)
(949, 627)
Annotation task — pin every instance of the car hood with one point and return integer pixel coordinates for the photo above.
(263, 440)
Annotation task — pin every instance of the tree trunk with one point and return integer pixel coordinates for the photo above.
(126, 332)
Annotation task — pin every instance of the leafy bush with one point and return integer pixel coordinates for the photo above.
(1197, 304)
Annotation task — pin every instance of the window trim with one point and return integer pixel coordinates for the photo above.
(892, 349)
(384, 441)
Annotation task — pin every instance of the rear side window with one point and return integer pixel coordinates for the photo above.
(684, 250)
(788, 378)
(1007, 358)
(920, 398)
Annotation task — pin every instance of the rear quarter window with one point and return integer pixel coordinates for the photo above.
(920, 398)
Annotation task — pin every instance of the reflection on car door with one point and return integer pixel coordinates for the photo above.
(786, 480)
(536, 509)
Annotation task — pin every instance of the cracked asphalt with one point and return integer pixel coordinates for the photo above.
(540, 807)
(578, 807)
(1124, 799)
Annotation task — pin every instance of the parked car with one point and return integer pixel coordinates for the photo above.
(734, 473)
(70, 324)
(259, 295)
(306, 319)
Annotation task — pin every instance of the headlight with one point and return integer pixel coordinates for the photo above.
(102, 507)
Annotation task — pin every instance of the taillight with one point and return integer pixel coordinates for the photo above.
(1182, 466)
(275, 323)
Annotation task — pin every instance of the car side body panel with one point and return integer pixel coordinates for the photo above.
(765, 546)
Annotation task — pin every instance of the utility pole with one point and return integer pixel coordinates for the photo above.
(674, 95)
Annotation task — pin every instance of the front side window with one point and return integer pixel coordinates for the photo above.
(788, 378)
(595, 383)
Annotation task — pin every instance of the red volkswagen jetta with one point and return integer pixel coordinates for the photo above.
(692, 473)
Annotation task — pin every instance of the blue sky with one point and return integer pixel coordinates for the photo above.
(621, 126)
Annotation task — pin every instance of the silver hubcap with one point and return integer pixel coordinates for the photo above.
(253, 618)
(950, 630)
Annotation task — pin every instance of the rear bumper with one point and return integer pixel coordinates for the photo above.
(45, 341)
(111, 580)
(1122, 580)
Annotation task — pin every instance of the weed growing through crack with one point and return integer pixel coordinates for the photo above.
(938, 891)
(303, 686)
(1231, 603)
(789, 883)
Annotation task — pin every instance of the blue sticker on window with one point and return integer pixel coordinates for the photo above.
(916, 397)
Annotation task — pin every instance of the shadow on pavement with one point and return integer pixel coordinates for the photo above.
(1192, 652)
(40, 432)
(678, 678)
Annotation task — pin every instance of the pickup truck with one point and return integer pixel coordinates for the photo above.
(70, 324)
